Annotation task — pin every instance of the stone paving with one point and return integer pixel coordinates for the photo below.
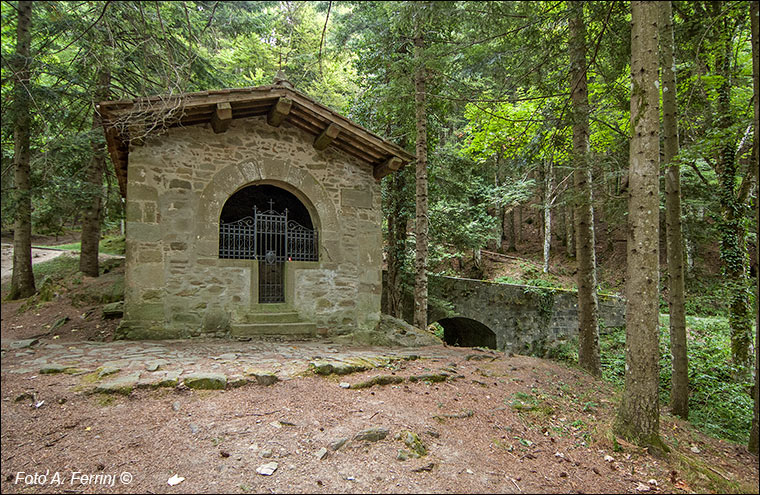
(121, 366)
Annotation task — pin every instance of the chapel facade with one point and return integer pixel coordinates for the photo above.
(251, 211)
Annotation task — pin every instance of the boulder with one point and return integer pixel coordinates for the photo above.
(392, 332)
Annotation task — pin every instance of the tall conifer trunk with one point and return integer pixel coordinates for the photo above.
(88, 259)
(588, 305)
(548, 214)
(22, 282)
(679, 389)
(733, 210)
(396, 243)
(638, 418)
(754, 12)
(421, 213)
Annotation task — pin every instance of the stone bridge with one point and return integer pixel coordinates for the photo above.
(517, 318)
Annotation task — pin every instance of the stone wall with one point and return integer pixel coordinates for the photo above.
(177, 184)
(524, 319)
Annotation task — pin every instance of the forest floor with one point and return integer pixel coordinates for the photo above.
(496, 423)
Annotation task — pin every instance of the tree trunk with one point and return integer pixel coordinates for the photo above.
(22, 283)
(570, 231)
(504, 229)
(421, 214)
(518, 237)
(588, 304)
(548, 215)
(638, 418)
(88, 258)
(396, 243)
(510, 227)
(679, 390)
(732, 230)
(754, 13)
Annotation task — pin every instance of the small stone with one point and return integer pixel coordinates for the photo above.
(642, 488)
(175, 406)
(265, 453)
(695, 449)
(107, 370)
(402, 455)
(24, 396)
(123, 385)
(169, 379)
(321, 453)
(151, 366)
(206, 381)
(23, 344)
(609, 458)
(429, 467)
(113, 310)
(337, 444)
(652, 482)
(236, 381)
(344, 385)
(267, 469)
(194, 429)
(55, 368)
(266, 379)
(372, 434)
(229, 356)
(412, 441)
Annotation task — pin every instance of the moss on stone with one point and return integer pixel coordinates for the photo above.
(378, 380)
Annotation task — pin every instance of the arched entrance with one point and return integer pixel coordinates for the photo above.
(266, 223)
(466, 332)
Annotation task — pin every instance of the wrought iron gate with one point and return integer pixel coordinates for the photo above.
(272, 239)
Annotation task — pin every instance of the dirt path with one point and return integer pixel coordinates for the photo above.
(38, 256)
(483, 421)
(488, 422)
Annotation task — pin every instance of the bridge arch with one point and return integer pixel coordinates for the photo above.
(466, 332)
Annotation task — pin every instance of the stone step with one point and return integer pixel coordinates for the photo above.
(272, 317)
(254, 329)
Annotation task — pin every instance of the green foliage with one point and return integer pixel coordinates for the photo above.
(718, 405)
(108, 245)
(57, 269)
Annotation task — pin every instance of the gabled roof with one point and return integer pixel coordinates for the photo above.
(129, 121)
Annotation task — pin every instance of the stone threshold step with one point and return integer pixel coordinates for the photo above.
(273, 317)
(253, 329)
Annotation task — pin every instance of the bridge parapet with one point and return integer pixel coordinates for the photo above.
(524, 319)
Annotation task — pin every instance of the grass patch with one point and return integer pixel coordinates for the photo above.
(108, 245)
(62, 267)
(105, 400)
(523, 402)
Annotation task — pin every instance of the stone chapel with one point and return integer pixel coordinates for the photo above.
(250, 211)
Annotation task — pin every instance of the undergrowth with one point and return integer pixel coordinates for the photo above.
(717, 405)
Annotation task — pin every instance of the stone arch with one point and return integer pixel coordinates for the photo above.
(467, 332)
(298, 181)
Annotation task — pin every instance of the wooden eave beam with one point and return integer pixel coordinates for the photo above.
(390, 165)
(222, 117)
(326, 137)
(279, 111)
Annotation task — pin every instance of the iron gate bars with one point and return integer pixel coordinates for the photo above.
(251, 237)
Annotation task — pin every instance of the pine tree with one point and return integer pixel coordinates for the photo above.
(638, 417)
